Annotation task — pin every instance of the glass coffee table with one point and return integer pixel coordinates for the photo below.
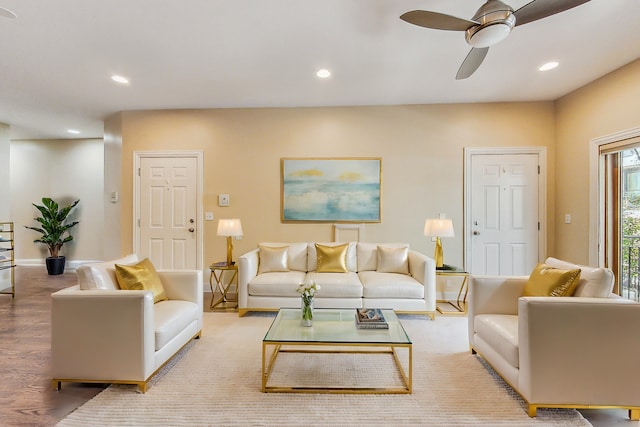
(335, 331)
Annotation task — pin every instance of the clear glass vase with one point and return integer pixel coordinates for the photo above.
(306, 311)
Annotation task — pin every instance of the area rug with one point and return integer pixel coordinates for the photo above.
(215, 381)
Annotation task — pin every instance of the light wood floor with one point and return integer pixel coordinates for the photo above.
(26, 395)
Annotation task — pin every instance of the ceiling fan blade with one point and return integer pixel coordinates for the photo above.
(437, 21)
(539, 9)
(471, 62)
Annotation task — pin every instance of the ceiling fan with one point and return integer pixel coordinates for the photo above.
(491, 24)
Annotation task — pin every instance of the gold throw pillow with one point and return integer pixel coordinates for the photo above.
(273, 259)
(140, 276)
(331, 259)
(548, 281)
(393, 260)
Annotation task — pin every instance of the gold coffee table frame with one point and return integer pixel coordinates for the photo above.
(334, 331)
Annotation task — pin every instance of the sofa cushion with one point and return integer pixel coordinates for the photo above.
(297, 254)
(595, 282)
(276, 284)
(140, 276)
(368, 254)
(102, 275)
(336, 285)
(171, 317)
(273, 259)
(312, 256)
(390, 285)
(393, 260)
(548, 281)
(500, 331)
(331, 259)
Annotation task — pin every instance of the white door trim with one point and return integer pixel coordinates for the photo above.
(199, 155)
(541, 152)
(596, 192)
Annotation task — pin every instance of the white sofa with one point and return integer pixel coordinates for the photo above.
(101, 334)
(362, 286)
(559, 352)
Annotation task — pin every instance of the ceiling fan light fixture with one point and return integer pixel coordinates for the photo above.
(496, 20)
(485, 36)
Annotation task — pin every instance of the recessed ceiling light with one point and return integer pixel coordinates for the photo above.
(7, 13)
(120, 79)
(548, 66)
(73, 131)
(323, 73)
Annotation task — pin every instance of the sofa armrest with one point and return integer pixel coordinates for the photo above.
(493, 295)
(247, 270)
(588, 342)
(102, 335)
(423, 269)
(185, 285)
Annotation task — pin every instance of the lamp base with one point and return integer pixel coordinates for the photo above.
(438, 253)
(229, 250)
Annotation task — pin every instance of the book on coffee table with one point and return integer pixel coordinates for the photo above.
(370, 318)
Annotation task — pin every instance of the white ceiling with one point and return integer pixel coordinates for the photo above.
(58, 56)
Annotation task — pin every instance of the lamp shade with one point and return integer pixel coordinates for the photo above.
(229, 227)
(440, 227)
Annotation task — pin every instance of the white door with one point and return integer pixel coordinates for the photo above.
(168, 211)
(504, 217)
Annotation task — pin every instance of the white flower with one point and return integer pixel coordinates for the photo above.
(308, 289)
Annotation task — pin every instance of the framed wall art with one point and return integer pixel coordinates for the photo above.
(330, 189)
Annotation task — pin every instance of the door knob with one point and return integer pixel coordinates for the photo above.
(476, 233)
(192, 229)
(192, 220)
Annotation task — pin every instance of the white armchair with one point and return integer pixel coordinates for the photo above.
(559, 352)
(101, 334)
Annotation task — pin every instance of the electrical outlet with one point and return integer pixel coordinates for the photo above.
(567, 218)
(208, 216)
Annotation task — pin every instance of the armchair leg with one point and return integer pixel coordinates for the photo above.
(532, 410)
(57, 385)
(634, 414)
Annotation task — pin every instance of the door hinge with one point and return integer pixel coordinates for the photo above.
(538, 169)
(138, 222)
(138, 171)
(538, 225)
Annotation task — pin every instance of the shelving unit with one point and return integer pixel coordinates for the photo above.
(7, 259)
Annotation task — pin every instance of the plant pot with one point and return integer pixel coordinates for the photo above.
(55, 266)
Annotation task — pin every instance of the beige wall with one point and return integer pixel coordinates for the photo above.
(606, 106)
(64, 170)
(421, 149)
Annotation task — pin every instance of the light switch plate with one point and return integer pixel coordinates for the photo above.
(223, 200)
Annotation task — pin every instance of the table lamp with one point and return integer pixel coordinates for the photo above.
(440, 227)
(230, 228)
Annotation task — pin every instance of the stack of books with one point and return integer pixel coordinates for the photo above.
(370, 318)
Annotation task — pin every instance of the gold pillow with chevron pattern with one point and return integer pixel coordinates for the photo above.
(548, 281)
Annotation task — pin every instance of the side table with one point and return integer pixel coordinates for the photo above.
(217, 282)
(459, 306)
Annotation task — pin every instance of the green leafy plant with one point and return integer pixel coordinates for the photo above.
(53, 225)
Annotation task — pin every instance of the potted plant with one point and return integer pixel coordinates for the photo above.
(53, 227)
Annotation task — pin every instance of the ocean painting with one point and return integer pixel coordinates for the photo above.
(331, 190)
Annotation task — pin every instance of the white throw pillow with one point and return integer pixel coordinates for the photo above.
(595, 282)
(273, 259)
(393, 260)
